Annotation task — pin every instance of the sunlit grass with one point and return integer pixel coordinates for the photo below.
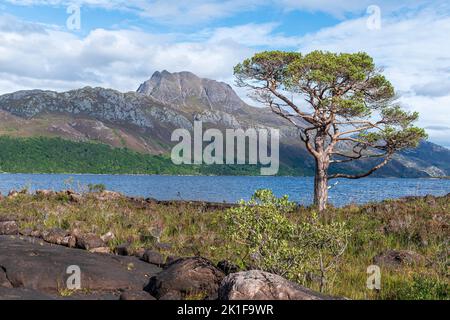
(419, 224)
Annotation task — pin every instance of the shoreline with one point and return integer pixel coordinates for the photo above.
(153, 186)
(199, 175)
(209, 205)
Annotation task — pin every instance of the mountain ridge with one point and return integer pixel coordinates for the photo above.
(144, 120)
(177, 88)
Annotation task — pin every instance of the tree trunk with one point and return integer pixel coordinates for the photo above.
(321, 184)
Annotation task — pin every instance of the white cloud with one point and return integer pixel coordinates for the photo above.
(121, 59)
(254, 35)
(412, 47)
(414, 53)
(51, 58)
(438, 87)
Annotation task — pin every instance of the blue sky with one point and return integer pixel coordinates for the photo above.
(121, 43)
(294, 22)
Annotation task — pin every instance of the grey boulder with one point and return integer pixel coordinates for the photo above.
(259, 285)
(184, 278)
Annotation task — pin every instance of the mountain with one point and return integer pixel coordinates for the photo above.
(144, 120)
(187, 91)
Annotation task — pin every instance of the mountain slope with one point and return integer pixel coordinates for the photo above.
(186, 90)
(143, 121)
(56, 155)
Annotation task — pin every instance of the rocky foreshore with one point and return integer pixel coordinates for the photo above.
(31, 268)
(37, 258)
(35, 264)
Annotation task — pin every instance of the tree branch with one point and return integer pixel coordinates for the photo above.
(363, 175)
(358, 157)
(306, 139)
(280, 96)
(369, 126)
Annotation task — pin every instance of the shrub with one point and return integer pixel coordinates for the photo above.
(424, 288)
(273, 243)
(96, 187)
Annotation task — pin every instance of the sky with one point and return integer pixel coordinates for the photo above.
(67, 44)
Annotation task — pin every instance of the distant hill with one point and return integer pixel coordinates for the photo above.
(56, 155)
(143, 121)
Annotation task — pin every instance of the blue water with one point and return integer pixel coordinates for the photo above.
(230, 189)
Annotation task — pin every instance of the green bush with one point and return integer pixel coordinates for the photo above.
(96, 187)
(270, 241)
(424, 288)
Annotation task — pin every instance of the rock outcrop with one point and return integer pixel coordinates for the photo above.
(89, 241)
(136, 295)
(33, 269)
(8, 228)
(185, 89)
(398, 258)
(31, 264)
(153, 257)
(184, 278)
(59, 236)
(22, 294)
(259, 285)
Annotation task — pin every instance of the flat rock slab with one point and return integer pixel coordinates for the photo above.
(22, 294)
(33, 264)
(136, 295)
(30, 294)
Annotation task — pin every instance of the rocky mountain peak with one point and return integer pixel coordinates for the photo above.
(185, 89)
